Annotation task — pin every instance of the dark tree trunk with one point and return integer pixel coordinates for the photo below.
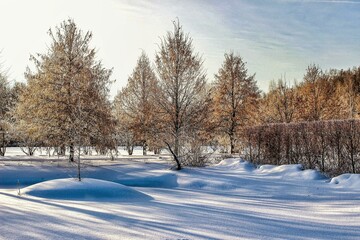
(178, 165)
(3, 145)
(61, 150)
(157, 151)
(176, 144)
(144, 148)
(130, 149)
(232, 144)
(72, 151)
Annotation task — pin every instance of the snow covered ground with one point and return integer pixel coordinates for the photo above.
(137, 199)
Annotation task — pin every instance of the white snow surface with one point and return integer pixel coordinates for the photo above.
(86, 189)
(347, 180)
(133, 199)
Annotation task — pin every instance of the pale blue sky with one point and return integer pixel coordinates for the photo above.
(275, 38)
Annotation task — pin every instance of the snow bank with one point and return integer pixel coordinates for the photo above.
(87, 189)
(347, 180)
(235, 164)
(291, 171)
(273, 169)
(198, 179)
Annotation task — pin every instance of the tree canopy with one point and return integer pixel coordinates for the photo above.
(66, 98)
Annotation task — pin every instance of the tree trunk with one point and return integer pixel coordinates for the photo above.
(178, 165)
(144, 148)
(3, 145)
(176, 147)
(232, 144)
(157, 151)
(71, 156)
(78, 164)
(61, 150)
(130, 149)
(31, 151)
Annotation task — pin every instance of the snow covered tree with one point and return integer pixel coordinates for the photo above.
(4, 110)
(65, 101)
(137, 103)
(182, 93)
(235, 97)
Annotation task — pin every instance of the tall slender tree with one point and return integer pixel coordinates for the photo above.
(5, 104)
(235, 97)
(182, 89)
(137, 103)
(65, 101)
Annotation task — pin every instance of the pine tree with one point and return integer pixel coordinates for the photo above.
(182, 90)
(65, 101)
(235, 97)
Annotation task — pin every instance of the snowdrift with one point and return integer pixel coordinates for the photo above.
(294, 172)
(347, 180)
(291, 171)
(87, 189)
(235, 164)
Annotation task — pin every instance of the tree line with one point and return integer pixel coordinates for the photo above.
(168, 103)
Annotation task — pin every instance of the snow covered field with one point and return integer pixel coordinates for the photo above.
(134, 199)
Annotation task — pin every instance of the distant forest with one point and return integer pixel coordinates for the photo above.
(169, 102)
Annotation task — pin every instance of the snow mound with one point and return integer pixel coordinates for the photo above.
(235, 164)
(86, 189)
(273, 169)
(291, 171)
(347, 180)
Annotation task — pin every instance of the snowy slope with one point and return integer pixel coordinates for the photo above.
(86, 189)
(232, 200)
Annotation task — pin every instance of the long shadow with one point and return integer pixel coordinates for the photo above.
(27, 175)
(166, 228)
(15, 222)
(98, 214)
(251, 223)
(259, 185)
